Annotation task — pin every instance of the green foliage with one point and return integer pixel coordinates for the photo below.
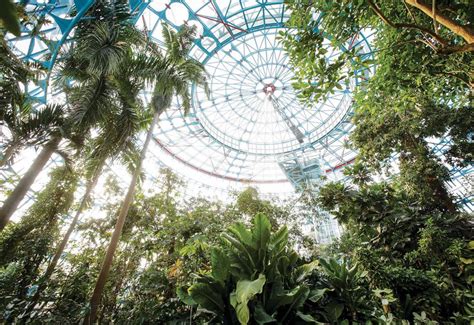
(25, 245)
(421, 88)
(347, 291)
(244, 292)
(254, 277)
(179, 70)
(308, 46)
(405, 232)
(183, 243)
(405, 256)
(27, 126)
(406, 246)
(9, 17)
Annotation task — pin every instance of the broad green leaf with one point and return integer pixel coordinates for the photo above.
(467, 260)
(279, 240)
(261, 316)
(242, 234)
(204, 295)
(243, 249)
(334, 311)
(293, 256)
(300, 297)
(283, 263)
(220, 264)
(279, 297)
(184, 296)
(304, 270)
(316, 295)
(307, 318)
(244, 292)
(261, 231)
(276, 295)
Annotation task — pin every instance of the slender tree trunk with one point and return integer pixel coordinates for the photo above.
(59, 251)
(11, 203)
(104, 272)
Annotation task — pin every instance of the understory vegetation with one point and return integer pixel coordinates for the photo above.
(147, 252)
(186, 260)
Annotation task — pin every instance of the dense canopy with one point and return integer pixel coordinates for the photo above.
(236, 161)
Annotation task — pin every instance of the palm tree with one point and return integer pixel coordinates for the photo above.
(34, 128)
(13, 200)
(15, 75)
(117, 138)
(101, 45)
(178, 73)
(27, 126)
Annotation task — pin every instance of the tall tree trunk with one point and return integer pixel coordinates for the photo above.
(13, 201)
(104, 272)
(59, 251)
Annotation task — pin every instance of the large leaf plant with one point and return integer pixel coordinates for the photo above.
(255, 278)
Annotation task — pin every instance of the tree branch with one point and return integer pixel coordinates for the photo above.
(447, 22)
(409, 26)
(429, 44)
(457, 49)
(433, 10)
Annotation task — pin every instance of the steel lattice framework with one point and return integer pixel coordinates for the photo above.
(253, 121)
(252, 129)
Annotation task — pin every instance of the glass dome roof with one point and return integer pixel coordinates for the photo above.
(253, 121)
(252, 130)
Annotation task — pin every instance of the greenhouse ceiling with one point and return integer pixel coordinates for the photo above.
(252, 129)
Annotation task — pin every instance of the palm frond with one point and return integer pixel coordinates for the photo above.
(186, 100)
(114, 136)
(130, 155)
(179, 72)
(36, 128)
(90, 103)
(146, 67)
(40, 125)
(69, 69)
(178, 43)
(101, 49)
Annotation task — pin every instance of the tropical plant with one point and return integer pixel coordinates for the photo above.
(26, 126)
(175, 77)
(16, 109)
(89, 76)
(421, 87)
(254, 277)
(345, 291)
(25, 245)
(44, 126)
(420, 91)
(35, 128)
(405, 245)
(125, 117)
(117, 138)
